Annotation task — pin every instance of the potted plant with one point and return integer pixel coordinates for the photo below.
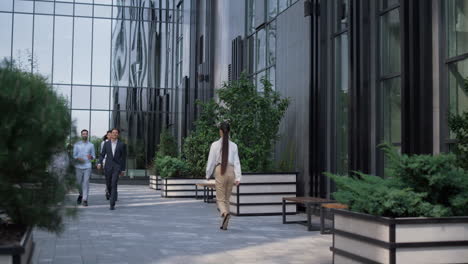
(418, 213)
(34, 178)
(254, 117)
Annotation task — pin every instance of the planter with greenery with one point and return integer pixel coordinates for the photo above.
(418, 213)
(254, 118)
(34, 175)
(167, 147)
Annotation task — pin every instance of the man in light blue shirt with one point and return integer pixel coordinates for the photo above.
(83, 153)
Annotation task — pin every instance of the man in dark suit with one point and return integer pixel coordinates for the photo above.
(116, 152)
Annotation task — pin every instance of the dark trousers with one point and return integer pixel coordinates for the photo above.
(112, 178)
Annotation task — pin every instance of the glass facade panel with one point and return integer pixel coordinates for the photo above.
(100, 98)
(44, 8)
(282, 5)
(65, 91)
(82, 51)
(22, 41)
(6, 5)
(390, 43)
(271, 43)
(341, 77)
(81, 97)
(250, 16)
(83, 10)
(260, 53)
(43, 37)
(101, 51)
(457, 27)
(80, 120)
(63, 49)
(5, 32)
(384, 4)
(341, 14)
(102, 11)
(64, 9)
(24, 6)
(392, 110)
(458, 82)
(99, 123)
(272, 9)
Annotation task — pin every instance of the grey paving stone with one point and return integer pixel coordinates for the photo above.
(146, 228)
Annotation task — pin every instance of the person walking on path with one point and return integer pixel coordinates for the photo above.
(106, 138)
(115, 152)
(83, 153)
(224, 160)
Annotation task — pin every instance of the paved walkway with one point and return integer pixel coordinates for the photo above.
(146, 228)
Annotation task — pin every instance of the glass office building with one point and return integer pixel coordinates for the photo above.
(118, 63)
(358, 72)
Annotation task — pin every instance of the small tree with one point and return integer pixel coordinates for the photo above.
(35, 123)
(255, 118)
(197, 145)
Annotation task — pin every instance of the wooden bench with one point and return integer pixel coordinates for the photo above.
(323, 211)
(308, 202)
(208, 191)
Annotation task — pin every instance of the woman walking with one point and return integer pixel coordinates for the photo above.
(224, 160)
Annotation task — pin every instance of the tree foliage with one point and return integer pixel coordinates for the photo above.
(35, 124)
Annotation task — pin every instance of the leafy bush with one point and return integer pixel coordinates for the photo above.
(254, 118)
(34, 127)
(172, 167)
(417, 185)
(197, 145)
(167, 147)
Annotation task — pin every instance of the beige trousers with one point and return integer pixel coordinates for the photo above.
(224, 185)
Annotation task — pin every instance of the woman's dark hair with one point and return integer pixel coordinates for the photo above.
(225, 147)
(105, 136)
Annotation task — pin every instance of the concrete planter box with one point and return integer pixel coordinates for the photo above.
(261, 194)
(180, 187)
(155, 182)
(20, 253)
(363, 238)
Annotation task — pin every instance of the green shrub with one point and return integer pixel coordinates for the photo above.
(172, 167)
(167, 147)
(35, 123)
(416, 185)
(196, 146)
(254, 118)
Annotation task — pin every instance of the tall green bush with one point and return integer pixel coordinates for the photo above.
(167, 147)
(416, 185)
(35, 123)
(196, 146)
(255, 118)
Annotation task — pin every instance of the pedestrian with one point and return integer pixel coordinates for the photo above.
(83, 153)
(106, 138)
(115, 152)
(224, 160)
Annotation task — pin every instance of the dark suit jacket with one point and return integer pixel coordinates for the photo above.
(118, 160)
